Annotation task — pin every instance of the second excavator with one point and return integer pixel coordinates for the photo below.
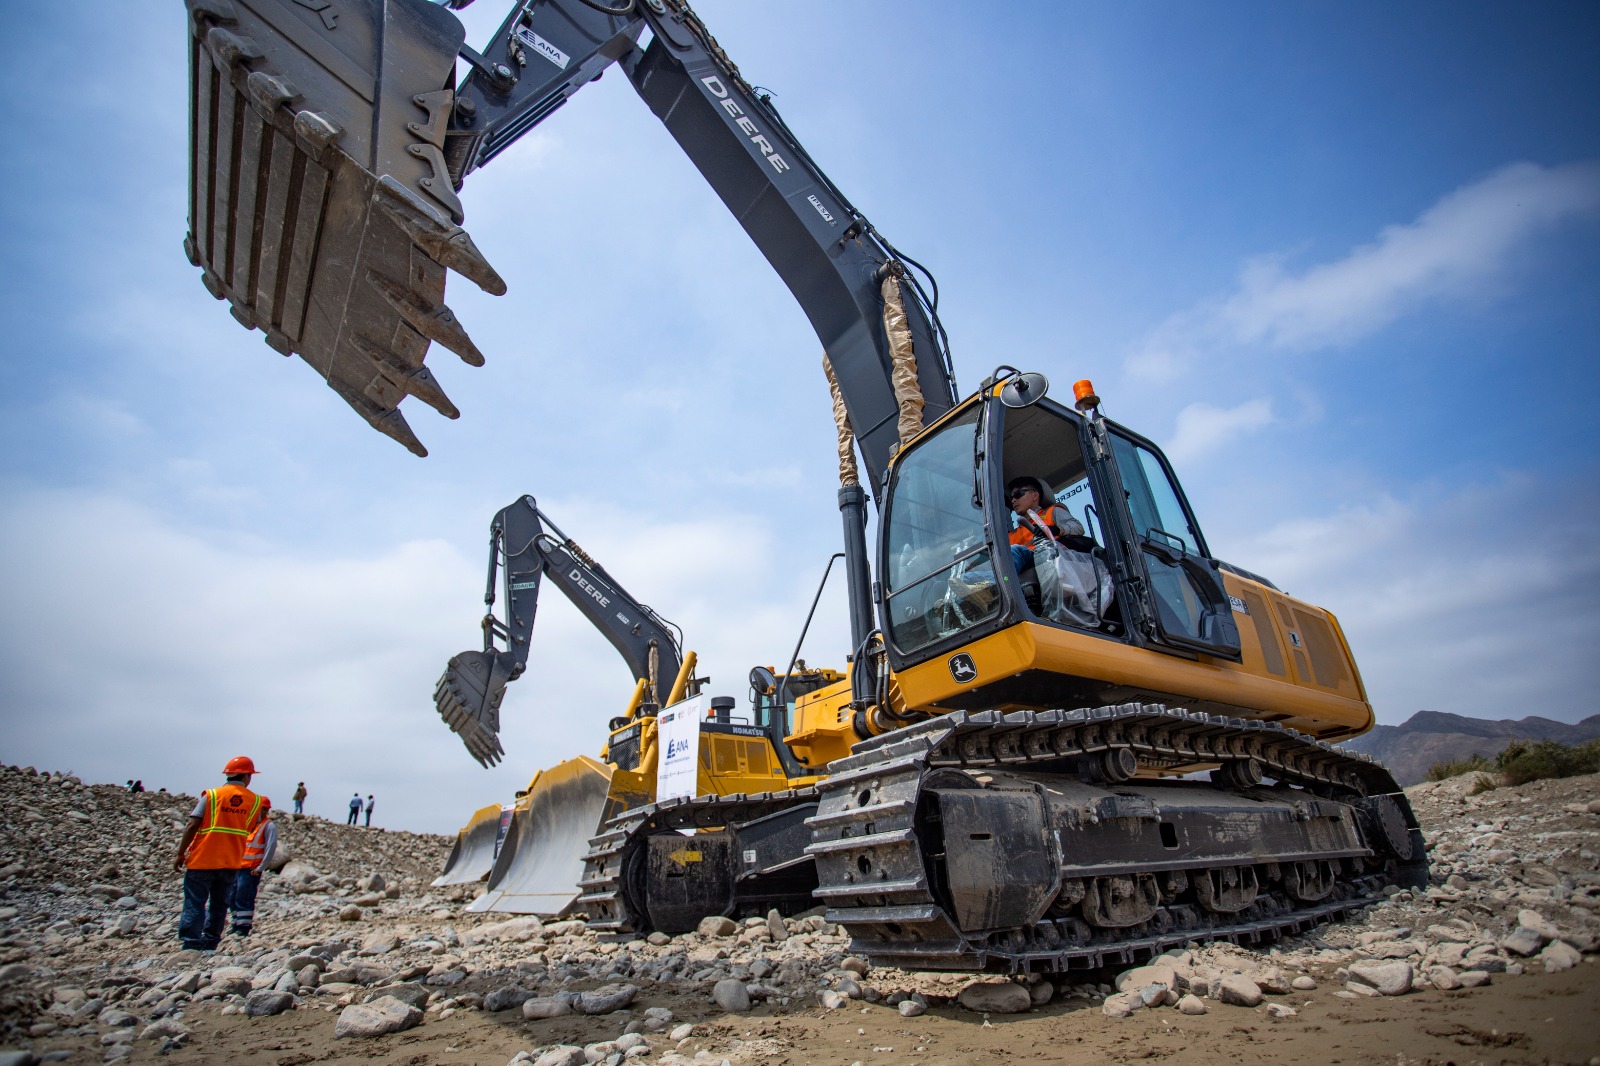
(531, 851)
(1010, 776)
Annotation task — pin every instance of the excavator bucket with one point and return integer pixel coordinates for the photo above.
(473, 856)
(468, 698)
(320, 204)
(541, 859)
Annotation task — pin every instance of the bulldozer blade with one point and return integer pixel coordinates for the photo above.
(541, 859)
(468, 698)
(320, 205)
(473, 855)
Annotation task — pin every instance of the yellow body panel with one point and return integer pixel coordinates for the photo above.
(822, 730)
(1300, 673)
(728, 764)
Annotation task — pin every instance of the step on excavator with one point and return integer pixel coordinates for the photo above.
(1080, 752)
(531, 851)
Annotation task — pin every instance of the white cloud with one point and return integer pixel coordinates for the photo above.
(1465, 240)
(1470, 602)
(1201, 427)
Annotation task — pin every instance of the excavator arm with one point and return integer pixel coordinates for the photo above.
(525, 548)
(328, 148)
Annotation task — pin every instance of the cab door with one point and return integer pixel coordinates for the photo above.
(1182, 600)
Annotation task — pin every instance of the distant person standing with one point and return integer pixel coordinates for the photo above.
(211, 852)
(369, 809)
(300, 798)
(258, 851)
(355, 809)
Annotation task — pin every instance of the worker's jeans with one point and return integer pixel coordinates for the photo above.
(205, 907)
(299, 806)
(243, 904)
(355, 812)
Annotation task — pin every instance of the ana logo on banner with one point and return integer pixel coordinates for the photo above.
(678, 733)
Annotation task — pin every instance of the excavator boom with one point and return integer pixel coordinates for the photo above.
(525, 548)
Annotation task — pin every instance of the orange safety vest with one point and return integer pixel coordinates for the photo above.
(255, 846)
(1024, 533)
(231, 814)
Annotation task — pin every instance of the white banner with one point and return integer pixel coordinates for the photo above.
(678, 734)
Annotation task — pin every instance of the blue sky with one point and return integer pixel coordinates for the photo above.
(1340, 260)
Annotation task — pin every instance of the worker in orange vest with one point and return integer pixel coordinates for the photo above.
(212, 852)
(258, 851)
(1028, 497)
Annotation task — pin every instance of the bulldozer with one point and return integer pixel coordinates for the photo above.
(1069, 735)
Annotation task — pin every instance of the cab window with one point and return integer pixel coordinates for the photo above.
(1152, 500)
(940, 575)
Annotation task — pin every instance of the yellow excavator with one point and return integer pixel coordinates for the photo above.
(1069, 734)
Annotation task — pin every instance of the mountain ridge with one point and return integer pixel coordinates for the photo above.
(1427, 738)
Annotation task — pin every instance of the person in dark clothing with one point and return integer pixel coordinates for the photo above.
(355, 809)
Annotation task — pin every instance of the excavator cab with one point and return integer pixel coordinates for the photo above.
(1138, 576)
(950, 575)
(1140, 611)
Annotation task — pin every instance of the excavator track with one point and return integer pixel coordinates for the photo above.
(892, 883)
(611, 902)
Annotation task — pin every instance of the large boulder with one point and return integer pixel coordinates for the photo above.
(1238, 990)
(1522, 941)
(516, 929)
(383, 1015)
(1389, 978)
(995, 998)
(545, 1007)
(1558, 956)
(1159, 972)
(1122, 1004)
(265, 1002)
(716, 925)
(606, 999)
(505, 998)
(731, 995)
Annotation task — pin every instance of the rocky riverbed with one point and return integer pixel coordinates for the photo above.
(355, 958)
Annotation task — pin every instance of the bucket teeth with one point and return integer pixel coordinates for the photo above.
(434, 321)
(468, 699)
(268, 92)
(230, 49)
(389, 423)
(444, 243)
(203, 11)
(314, 132)
(425, 387)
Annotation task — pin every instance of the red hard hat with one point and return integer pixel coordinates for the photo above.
(239, 764)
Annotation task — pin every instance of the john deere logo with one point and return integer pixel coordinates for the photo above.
(962, 668)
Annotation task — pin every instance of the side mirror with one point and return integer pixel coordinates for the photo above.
(1024, 390)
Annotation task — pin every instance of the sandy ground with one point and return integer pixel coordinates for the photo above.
(1536, 1018)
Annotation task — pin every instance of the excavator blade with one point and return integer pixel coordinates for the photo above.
(320, 205)
(541, 859)
(473, 855)
(468, 698)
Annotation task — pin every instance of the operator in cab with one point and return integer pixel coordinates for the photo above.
(1027, 494)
